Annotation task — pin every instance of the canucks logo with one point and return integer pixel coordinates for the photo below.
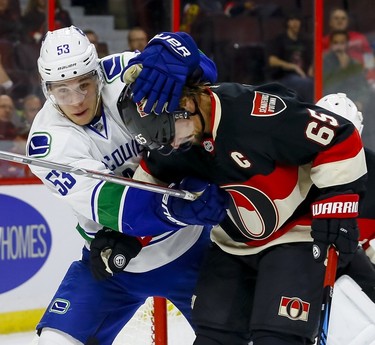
(39, 145)
(112, 67)
(59, 306)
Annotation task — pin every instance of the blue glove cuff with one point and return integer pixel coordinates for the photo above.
(206, 72)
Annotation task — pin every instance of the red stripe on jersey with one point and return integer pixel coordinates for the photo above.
(144, 166)
(278, 184)
(349, 148)
(213, 109)
(367, 231)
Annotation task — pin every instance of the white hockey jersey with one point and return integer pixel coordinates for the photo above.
(104, 146)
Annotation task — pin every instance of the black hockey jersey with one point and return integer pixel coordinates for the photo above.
(274, 155)
(366, 218)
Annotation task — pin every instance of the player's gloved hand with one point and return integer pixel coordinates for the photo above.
(208, 209)
(334, 222)
(162, 69)
(111, 251)
(206, 72)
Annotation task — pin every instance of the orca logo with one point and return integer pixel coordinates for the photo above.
(59, 306)
(112, 67)
(25, 242)
(252, 211)
(39, 145)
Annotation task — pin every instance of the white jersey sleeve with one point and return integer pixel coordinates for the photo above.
(104, 146)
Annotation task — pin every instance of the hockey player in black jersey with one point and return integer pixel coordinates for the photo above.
(294, 172)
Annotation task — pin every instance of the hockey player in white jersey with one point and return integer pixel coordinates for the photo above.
(352, 320)
(80, 125)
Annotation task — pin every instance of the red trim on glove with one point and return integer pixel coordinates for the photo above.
(338, 206)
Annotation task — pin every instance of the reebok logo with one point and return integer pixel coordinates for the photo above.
(334, 208)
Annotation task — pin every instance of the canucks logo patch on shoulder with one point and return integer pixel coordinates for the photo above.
(112, 67)
(39, 145)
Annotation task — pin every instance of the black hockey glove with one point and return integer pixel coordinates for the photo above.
(111, 251)
(334, 222)
(208, 209)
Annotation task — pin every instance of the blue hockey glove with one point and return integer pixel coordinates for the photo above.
(205, 72)
(111, 251)
(208, 209)
(168, 59)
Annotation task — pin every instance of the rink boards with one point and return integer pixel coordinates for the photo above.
(38, 241)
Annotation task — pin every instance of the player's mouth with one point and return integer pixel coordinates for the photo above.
(81, 113)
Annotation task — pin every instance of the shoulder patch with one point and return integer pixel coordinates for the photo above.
(266, 104)
(112, 67)
(39, 144)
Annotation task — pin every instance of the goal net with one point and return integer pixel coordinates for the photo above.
(157, 322)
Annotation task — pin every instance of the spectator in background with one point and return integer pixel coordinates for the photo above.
(30, 107)
(101, 48)
(137, 39)
(8, 131)
(92, 36)
(341, 73)
(6, 82)
(10, 140)
(290, 59)
(34, 20)
(13, 81)
(10, 27)
(189, 14)
(358, 45)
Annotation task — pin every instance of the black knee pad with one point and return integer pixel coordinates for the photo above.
(210, 336)
(274, 338)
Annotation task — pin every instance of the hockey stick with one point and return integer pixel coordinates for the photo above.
(329, 281)
(13, 157)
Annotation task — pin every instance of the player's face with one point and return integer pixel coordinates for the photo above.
(184, 132)
(188, 131)
(77, 97)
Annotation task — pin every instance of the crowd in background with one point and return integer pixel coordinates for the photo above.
(251, 42)
(261, 41)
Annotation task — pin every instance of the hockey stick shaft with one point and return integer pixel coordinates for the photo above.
(12, 157)
(329, 282)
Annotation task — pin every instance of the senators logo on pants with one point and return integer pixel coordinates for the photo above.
(294, 308)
